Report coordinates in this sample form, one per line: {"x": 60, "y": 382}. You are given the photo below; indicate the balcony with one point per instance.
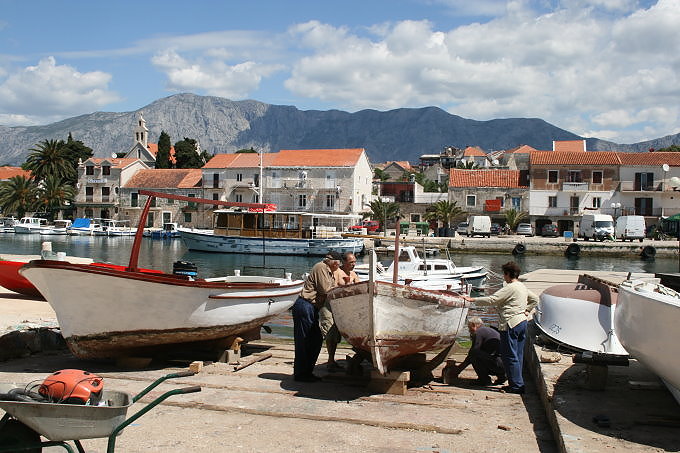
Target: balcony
{"x": 297, "y": 184}
{"x": 632, "y": 186}
{"x": 574, "y": 187}
{"x": 245, "y": 184}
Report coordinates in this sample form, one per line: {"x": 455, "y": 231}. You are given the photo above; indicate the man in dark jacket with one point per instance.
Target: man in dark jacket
{"x": 484, "y": 355}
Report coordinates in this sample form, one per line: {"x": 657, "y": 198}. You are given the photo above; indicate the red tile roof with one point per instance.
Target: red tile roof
{"x": 570, "y": 146}
{"x": 153, "y": 149}
{"x": 166, "y": 178}
{"x": 522, "y": 149}
{"x": 574, "y": 158}
{"x": 317, "y": 157}
{"x": 9, "y": 172}
{"x": 485, "y": 178}
{"x": 239, "y": 160}
{"x": 474, "y": 151}
{"x": 115, "y": 162}
{"x": 650, "y": 159}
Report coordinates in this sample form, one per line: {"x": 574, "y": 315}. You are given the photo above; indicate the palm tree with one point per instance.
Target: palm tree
{"x": 53, "y": 193}
{"x": 381, "y": 211}
{"x": 513, "y": 217}
{"x": 444, "y": 211}
{"x": 17, "y": 195}
{"x": 380, "y": 174}
{"x": 50, "y": 157}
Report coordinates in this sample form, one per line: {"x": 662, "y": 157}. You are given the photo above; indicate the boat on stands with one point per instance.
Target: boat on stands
{"x": 580, "y": 316}
{"x": 412, "y": 267}
{"x": 59, "y": 228}
{"x": 267, "y": 231}
{"x": 13, "y": 281}
{"x": 30, "y": 225}
{"x": 646, "y": 322}
{"x": 104, "y": 312}
{"x": 83, "y": 226}
{"x": 391, "y": 320}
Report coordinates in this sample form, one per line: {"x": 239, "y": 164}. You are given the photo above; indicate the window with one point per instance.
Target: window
{"x": 89, "y": 192}
{"x": 154, "y": 200}
{"x": 106, "y": 191}
{"x": 167, "y": 217}
{"x": 89, "y": 213}
{"x": 644, "y": 181}
{"x": 552, "y": 202}
{"x": 597, "y": 177}
{"x": 149, "y": 220}
{"x": 238, "y": 198}
{"x": 256, "y": 180}
{"x": 216, "y": 180}
{"x": 134, "y": 199}
{"x": 330, "y": 201}
{"x": 239, "y": 177}
{"x": 597, "y": 202}
{"x": 106, "y": 170}
{"x": 574, "y": 176}
{"x": 517, "y": 203}
{"x": 574, "y": 204}
{"x": 644, "y": 206}
{"x": 190, "y": 204}
{"x": 471, "y": 200}
{"x": 215, "y": 197}
{"x": 302, "y": 200}
{"x": 415, "y": 217}
{"x": 187, "y": 217}
{"x": 89, "y": 170}
{"x": 553, "y": 176}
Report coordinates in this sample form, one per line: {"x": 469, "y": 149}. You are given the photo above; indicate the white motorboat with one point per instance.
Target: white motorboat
{"x": 7, "y": 224}
{"x": 113, "y": 312}
{"x": 274, "y": 233}
{"x": 580, "y": 316}
{"x": 30, "y": 225}
{"x": 391, "y": 320}
{"x": 646, "y": 322}
{"x": 83, "y": 226}
{"x": 170, "y": 230}
{"x": 120, "y": 228}
{"x": 412, "y": 267}
{"x": 60, "y": 228}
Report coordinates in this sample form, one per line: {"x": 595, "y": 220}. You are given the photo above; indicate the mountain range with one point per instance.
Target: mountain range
{"x": 221, "y": 125}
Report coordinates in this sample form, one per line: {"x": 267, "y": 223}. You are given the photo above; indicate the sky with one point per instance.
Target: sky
{"x": 599, "y": 68}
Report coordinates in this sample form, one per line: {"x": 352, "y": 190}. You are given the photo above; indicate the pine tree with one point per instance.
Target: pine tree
{"x": 163, "y": 155}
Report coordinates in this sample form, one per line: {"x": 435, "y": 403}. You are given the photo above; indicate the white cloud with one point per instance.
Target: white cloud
{"x": 583, "y": 64}
{"x": 48, "y": 91}
{"x": 211, "y": 74}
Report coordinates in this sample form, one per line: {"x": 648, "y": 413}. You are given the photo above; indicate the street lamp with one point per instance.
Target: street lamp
{"x": 616, "y": 206}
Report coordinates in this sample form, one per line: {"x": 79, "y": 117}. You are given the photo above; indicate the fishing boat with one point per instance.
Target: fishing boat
{"x": 412, "y": 267}
{"x": 30, "y": 225}
{"x": 580, "y": 316}
{"x": 646, "y": 322}
{"x": 391, "y": 320}
{"x": 59, "y": 228}
{"x": 104, "y": 312}
{"x": 274, "y": 233}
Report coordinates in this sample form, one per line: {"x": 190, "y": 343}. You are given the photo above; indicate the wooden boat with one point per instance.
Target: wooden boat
{"x": 646, "y": 322}
{"x": 105, "y": 312}
{"x": 274, "y": 233}
{"x": 390, "y": 320}
{"x": 580, "y": 316}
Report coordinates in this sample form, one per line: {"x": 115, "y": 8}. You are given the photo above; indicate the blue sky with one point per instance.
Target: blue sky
{"x": 601, "y": 68}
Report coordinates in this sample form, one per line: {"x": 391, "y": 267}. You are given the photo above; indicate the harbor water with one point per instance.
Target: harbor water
{"x": 161, "y": 254}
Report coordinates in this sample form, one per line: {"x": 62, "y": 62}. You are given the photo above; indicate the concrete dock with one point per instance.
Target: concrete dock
{"x": 260, "y": 408}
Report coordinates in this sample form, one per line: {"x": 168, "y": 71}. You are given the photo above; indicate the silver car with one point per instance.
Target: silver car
{"x": 526, "y": 229}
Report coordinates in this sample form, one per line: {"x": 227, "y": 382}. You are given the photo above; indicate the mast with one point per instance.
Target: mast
{"x": 261, "y": 200}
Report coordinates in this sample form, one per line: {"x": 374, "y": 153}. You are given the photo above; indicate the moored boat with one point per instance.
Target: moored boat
{"x": 580, "y": 316}
{"x": 82, "y": 227}
{"x": 274, "y": 233}
{"x": 30, "y": 225}
{"x": 60, "y": 228}
{"x": 646, "y": 321}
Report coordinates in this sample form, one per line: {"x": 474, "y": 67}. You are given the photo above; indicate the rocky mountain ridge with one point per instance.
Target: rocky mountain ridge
{"x": 221, "y": 125}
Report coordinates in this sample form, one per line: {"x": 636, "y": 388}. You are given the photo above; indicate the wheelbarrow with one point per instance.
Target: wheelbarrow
{"x": 24, "y": 422}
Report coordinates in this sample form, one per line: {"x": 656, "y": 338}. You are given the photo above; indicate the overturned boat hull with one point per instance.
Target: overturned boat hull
{"x": 391, "y": 320}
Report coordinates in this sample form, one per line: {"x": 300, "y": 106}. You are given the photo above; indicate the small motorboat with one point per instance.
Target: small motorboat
{"x": 646, "y": 321}
{"x": 60, "y": 228}
{"x": 82, "y": 226}
{"x": 7, "y": 224}
{"x": 580, "y": 316}
{"x": 30, "y": 225}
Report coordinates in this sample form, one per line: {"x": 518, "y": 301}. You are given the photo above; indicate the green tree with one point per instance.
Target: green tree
{"x": 251, "y": 150}
{"x": 513, "y": 217}
{"x": 53, "y": 194}
{"x": 381, "y": 211}
{"x": 50, "y": 157}
{"x": 186, "y": 155}
{"x": 670, "y": 149}
{"x": 380, "y": 174}
{"x": 17, "y": 195}
{"x": 444, "y": 211}
{"x": 163, "y": 155}
{"x": 76, "y": 151}
{"x": 467, "y": 165}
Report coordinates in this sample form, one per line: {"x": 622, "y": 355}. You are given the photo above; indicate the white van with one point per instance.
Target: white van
{"x": 630, "y": 227}
{"x": 596, "y": 226}
{"x": 479, "y": 225}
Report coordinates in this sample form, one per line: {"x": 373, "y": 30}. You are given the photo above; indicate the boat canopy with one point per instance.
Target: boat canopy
{"x": 81, "y": 222}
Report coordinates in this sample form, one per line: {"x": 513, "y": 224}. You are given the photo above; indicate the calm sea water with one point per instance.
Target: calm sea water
{"x": 160, "y": 254}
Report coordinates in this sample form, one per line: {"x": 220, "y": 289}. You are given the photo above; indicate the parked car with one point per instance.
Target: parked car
{"x": 526, "y": 229}
{"x": 495, "y": 228}
{"x": 550, "y": 230}
{"x": 370, "y": 225}
{"x": 462, "y": 228}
